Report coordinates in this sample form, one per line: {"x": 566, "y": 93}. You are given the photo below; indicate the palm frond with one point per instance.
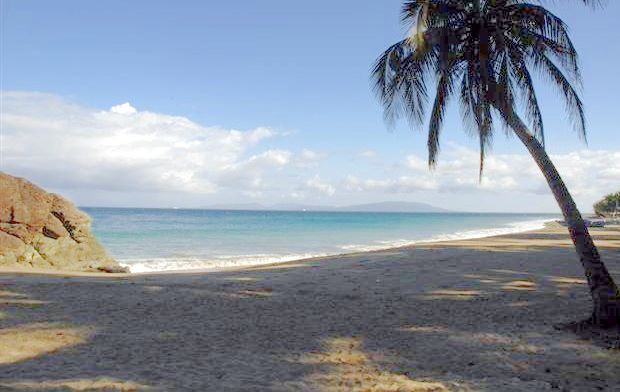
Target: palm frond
{"x": 574, "y": 105}
{"x": 525, "y": 84}
{"x": 400, "y": 77}
{"x": 485, "y": 51}
{"x": 445, "y": 84}
{"x": 540, "y": 30}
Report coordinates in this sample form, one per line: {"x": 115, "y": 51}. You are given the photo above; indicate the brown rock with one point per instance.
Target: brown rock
{"x": 114, "y": 269}
{"x": 43, "y": 230}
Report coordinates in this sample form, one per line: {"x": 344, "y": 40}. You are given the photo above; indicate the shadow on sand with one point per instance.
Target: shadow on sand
{"x": 363, "y": 322}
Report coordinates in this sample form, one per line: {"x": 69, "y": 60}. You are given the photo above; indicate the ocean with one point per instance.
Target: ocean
{"x": 184, "y": 239}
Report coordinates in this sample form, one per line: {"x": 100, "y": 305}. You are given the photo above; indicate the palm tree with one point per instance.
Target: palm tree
{"x": 483, "y": 52}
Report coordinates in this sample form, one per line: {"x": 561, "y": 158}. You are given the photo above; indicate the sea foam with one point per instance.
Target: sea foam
{"x": 160, "y": 264}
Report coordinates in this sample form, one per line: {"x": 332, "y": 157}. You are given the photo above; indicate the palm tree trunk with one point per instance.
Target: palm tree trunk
{"x": 605, "y": 294}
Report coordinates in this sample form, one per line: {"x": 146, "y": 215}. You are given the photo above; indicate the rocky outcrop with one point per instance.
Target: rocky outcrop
{"x": 43, "y": 230}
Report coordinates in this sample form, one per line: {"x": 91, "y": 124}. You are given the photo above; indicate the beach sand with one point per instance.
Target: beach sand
{"x": 473, "y": 315}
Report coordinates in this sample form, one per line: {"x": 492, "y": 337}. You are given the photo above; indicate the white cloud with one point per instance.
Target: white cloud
{"x": 309, "y": 158}
{"x": 315, "y": 183}
{"x": 297, "y": 195}
{"x": 416, "y": 163}
{"x": 67, "y": 146}
{"x": 402, "y": 184}
{"x": 588, "y": 175}
{"x": 250, "y": 173}
{"x": 271, "y": 157}
{"x": 124, "y": 108}
{"x": 114, "y": 156}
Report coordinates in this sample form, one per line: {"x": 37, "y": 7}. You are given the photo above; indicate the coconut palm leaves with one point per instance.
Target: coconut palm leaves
{"x": 482, "y": 53}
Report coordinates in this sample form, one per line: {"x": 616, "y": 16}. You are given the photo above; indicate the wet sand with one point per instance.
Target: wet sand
{"x": 472, "y": 315}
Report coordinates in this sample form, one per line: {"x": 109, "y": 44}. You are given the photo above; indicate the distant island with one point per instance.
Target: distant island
{"x": 388, "y": 206}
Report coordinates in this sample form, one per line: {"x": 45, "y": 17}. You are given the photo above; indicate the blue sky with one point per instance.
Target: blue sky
{"x": 299, "y": 69}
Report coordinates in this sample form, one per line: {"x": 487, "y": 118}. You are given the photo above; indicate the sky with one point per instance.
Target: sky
{"x": 198, "y": 103}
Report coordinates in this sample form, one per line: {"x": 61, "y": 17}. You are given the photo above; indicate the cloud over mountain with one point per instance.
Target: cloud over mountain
{"x": 122, "y": 149}
{"x": 127, "y": 156}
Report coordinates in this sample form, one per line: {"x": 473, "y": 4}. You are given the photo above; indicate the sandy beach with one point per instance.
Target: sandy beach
{"x": 472, "y": 315}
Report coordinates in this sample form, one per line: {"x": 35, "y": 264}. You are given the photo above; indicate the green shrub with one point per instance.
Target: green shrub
{"x": 608, "y": 205}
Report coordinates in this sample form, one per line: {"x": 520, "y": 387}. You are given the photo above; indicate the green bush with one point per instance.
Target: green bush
{"x": 608, "y": 205}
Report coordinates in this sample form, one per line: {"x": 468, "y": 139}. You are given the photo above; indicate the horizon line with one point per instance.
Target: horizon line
{"x": 319, "y": 210}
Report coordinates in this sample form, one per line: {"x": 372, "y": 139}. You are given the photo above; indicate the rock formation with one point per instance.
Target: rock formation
{"x": 43, "y": 230}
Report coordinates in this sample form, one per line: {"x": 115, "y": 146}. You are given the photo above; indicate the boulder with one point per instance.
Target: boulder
{"x": 43, "y": 230}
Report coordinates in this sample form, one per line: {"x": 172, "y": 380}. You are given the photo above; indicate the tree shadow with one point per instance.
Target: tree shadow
{"x": 26, "y": 337}
{"x": 382, "y": 321}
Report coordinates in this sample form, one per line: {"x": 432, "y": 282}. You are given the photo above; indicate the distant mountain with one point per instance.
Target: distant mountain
{"x": 387, "y": 206}
{"x": 393, "y": 206}
{"x": 240, "y": 206}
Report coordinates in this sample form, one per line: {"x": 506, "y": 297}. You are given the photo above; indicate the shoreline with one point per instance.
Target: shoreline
{"x": 470, "y": 315}
{"x": 149, "y": 243}
{"x": 410, "y": 244}
{"x": 361, "y": 249}
{"x": 549, "y": 226}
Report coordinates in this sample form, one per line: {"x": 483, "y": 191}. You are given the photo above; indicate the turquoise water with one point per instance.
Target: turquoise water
{"x": 178, "y": 239}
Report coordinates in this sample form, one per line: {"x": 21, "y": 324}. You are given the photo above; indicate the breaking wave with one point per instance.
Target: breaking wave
{"x": 144, "y": 265}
